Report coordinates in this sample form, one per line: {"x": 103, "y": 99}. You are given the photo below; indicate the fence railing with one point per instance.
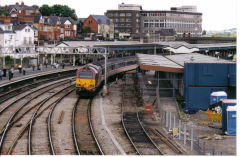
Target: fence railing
{"x": 182, "y": 132}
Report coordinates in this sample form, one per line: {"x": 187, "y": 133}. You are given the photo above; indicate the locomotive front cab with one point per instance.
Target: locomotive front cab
{"x": 85, "y": 80}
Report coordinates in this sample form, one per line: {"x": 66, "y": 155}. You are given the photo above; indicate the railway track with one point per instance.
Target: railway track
{"x": 4, "y": 96}
{"x": 85, "y": 140}
{"x": 8, "y": 109}
{"x": 16, "y": 117}
{"x": 139, "y": 138}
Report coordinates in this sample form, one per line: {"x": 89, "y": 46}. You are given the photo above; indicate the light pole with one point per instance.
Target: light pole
{"x": 105, "y": 74}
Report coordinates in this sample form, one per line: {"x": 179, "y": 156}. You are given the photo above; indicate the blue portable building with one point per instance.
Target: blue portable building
{"x": 201, "y": 79}
{"x": 231, "y": 120}
{"x": 226, "y": 103}
{"x": 217, "y": 96}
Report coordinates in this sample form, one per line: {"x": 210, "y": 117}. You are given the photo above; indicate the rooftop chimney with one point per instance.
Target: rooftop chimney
{"x": 17, "y": 3}
{"x": 22, "y": 4}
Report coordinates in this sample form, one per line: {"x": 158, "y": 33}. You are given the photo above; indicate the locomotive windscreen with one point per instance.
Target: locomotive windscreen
{"x": 85, "y": 74}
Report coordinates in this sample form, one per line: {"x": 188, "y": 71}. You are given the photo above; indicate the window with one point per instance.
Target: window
{"x": 156, "y": 24}
{"x": 90, "y": 21}
{"x": 145, "y": 24}
{"x": 28, "y": 29}
{"x": 67, "y": 33}
{"x": 137, "y": 14}
{"x": 122, "y": 20}
{"x": 25, "y": 40}
{"x": 68, "y": 26}
{"x": 122, "y": 14}
{"x": 137, "y": 31}
{"x": 129, "y": 20}
{"x": 85, "y": 74}
{"x": 137, "y": 20}
{"x": 25, "y": 30}
{"x": 30, "y": 40}
{"x": 128, "y": 14}
{"x": 116, "y": 14}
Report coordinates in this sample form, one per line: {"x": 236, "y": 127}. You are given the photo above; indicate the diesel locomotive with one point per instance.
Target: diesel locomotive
{"x": 91, "y": 76}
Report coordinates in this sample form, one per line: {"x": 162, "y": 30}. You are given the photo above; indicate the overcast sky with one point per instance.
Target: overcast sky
{"x": 217, "y": 14}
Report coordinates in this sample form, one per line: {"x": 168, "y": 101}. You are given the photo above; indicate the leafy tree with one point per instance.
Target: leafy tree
{"x": 87, "y": 29}
{"x": 4, "y": 12}
{"x": 204, "y": 32}
{"x": 45, "y": 10}
{"x": 58, "y": 10}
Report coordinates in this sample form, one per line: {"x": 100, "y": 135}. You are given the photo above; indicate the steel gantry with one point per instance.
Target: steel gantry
{"x": 36, "y": 51}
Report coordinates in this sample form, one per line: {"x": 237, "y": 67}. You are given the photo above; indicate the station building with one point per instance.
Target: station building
{"x": 132, "y": 20}
{"x": 194, "y": 76}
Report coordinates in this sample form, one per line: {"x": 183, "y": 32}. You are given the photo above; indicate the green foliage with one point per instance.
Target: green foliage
{"x": 221, "y": 35}
{"x": 58, "y": 10}
{"x": 45, "y": 10}
{"x": 204, "y": 32}
{"x": 87, "y": 30}
{"x": 3, "y": 12}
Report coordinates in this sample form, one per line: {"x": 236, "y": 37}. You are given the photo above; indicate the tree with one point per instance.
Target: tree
{"x": 87, "y": 29}
{"x": 45, "y": 10}
{"x": 204, "y": 32}
{"x": 58, "y": 10}
{"x": 3, "y": 12}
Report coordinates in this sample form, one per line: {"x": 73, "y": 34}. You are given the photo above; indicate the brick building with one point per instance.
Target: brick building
{"x": 101, "y": 25}
{"x": 21, "y": 10}
{"x": 126, "y": 20}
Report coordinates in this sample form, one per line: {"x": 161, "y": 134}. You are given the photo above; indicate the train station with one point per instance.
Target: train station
{"x": 183, "y": 93}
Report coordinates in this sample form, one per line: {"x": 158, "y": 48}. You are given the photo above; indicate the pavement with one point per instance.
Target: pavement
{"x": 29, "y": 72}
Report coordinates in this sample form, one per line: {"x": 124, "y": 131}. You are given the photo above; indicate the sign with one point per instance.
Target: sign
{"x": 175, "y": 132}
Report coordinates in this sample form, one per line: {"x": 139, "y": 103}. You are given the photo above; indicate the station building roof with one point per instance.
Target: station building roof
{"x": 175, "y": 63}
{"x": 174, "y": 46}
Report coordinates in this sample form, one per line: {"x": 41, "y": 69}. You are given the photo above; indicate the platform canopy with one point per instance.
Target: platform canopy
{"x": 158, "y": 63}
{"x": 175, "y": 63}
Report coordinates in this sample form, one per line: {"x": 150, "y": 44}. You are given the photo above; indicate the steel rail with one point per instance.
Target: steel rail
{"x": 49, "y": 124}
{"x": 149, "y": 136}
{"x": 35, "y": 113}
{"x": 91, "y": 126}
{"x": 73, "y": 127}
{"x": 31, "y": 93}
{"x": 29, "y": 101}
{"x": 13, "y": 115}
{"x": 22, "y": 88}
{"x": 124, "y": 127}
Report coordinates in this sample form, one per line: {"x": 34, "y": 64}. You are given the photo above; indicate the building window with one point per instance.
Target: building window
{"x": 146, "y": 25}
{"x": 25, "y": 40}
{"x": 137, "y": 20}
{"x": 30, "y": 40}
{"x": 128, "y": 14}
{"x": 28, "y": 29}
{"x": 137, "y": 31}
{"x": 129, "y": 20}
{"x": 122, "y": 14}
{"x": 68, "y": 26}
{"x": 116, "y": 14}
{"x": 90, "y": 21}
{"x": 137, "y": 14}
{"x": 25, "y": 30}
{"x": 67, "y": 33}
{"x": 116, "y": 31}
{"x": 122, "y": 20}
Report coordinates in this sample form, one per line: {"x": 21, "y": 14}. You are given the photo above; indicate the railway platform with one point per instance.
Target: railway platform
{"x": 30, "y": 74}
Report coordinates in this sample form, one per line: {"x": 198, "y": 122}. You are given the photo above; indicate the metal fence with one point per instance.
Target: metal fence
{"x": 183, "y": 133}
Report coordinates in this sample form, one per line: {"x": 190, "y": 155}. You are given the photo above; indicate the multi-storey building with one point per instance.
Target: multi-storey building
{"x": 21, "y": 10}
{"x": 55, "y": 28}
{"x": 126, "y": 19}
{"x": 185, "y": 20}
{"x": 185, "y": 23}
{"x": 16, "y": 35}
{"x": 101, "y": 25}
